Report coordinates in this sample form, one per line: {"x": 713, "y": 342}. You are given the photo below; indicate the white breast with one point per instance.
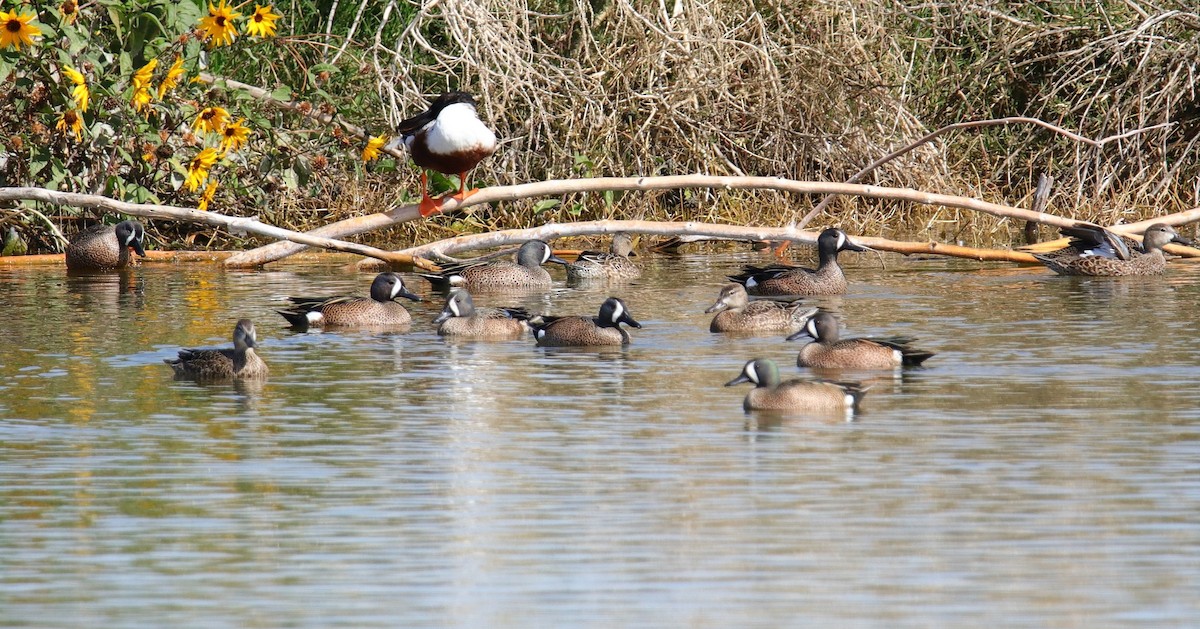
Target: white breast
{"x": 457, "y": 129}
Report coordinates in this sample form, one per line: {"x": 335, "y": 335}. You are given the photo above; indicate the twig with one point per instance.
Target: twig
{"x": 969, "y": 125}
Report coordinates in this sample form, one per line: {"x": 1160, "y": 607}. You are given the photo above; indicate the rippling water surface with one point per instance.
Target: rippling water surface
{"x": 1043, "y": 471}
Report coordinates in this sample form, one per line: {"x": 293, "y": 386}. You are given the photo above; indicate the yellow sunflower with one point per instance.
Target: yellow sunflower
{"x": 371, "y": 151}
{"x": 197, "y": 170}
{"x": 218, "y": 26}
{"x": 70, "y": 120}
{"x": 262, "y": 23}
{"x": 172, "y": 79}
{"x": 211, "y": 119}
{"x": 234, "y": 136}
{"x": 141, "y": 98}
{"x": 80, "y": 92}
{"x": 15, "y": 29}
{"x": 69, "y": 10}
{"x": 207, "y": 197}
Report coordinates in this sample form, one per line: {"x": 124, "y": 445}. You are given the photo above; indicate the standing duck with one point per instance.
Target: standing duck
{"x": 1099, "y": 252}
{"x": 239, "y": 363}
{"x": 587, "y": 331}
{"x": 449, "y": 138}
{"x": 105, "y": 246}
{"x": 380, "y": 309}
{"x": 829, "y": 351}
{"x": 784, "y": 279}
{"x": 769, "y": 394}
{"x": 527, "y": 272}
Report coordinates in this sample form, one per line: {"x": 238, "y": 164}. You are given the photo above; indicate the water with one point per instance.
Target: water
{"x": 1043, "y": 471}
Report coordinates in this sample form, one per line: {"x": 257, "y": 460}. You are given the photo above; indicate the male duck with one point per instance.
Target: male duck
{"x": 239, "y": 363}
{"x": 105, "y": 246}
{"x": 613, "y": 265}
{"x": 586, "y": 331}
{"x": 827, "y": 351}
{"x": 449, "y": 138}
{"x": 500, "y": 274}
{"x": 736, "y": 313}
{"x": 769, "y": 394}
{"x": 460, "y": 318}
{"x": 783, "y": 279}
{"x": 380, "y": 309}
{"x": 1099, "y": 252}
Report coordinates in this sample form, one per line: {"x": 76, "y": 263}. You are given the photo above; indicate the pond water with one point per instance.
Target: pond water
{"x": 1044, "y": 470}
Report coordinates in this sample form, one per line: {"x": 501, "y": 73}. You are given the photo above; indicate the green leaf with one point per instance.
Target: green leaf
{"x": 6, "y": 68}
{"x": 546, "y": 204}
{"x": 303, "y": 170}
{"x": 283, "y": 93}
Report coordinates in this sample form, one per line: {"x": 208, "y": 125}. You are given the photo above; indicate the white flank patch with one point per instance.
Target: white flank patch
{"x": 899, "y": 356}
{"x": 314, "y": 316}
{"x": 540, "y": 333}
{"x": 750, "y": 282}
{"x": 752, "y": 372}
{"x": 849, "y": 402}
{"x": 457, "y": 280}
{"x": 458, "y": 129}
{"x": 617, "y": 312}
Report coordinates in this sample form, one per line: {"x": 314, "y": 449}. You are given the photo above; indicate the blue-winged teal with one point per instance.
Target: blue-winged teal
{"x": 586, "y": 331}
{"x": 380, "y": 309}
{"x": 500, "y": 274}
{"x": 614, "y": 265}
{"x": 223, "y": 364}
{"x": 1097, "y": 251}
{"x": 827, "y": 351}
{"x": 736, "y": 313}
{"x": 769, "y": 394}
{"x": 784, "y": 279}
{"x": 105, "y": 246}
{"x": 461, "y": 318}
{"x": 449, "y": 138}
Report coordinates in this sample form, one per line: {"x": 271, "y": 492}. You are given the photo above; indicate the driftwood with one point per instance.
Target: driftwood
{"x": 729, "y": 232}
{"x": 556, "y": 187}
{"x": 251, "y": 225}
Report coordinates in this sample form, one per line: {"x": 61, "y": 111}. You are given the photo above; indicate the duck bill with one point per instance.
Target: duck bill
{"x": 557, "y": 260}
{"x": 717, "y": 307}
{"x": 629, "y": 321}
{"x": 853, "y": 246}
{"x": 800, "y": 335}
{"x": 444, "y": 316}
{"x": 407, "y": 295}
{"x": 137, "y": 248}
{"x": 1181, "y": 240}
{"x": 738, "y": 380}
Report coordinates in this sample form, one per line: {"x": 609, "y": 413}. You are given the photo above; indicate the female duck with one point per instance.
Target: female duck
{"x": 240, "y": 363}
{"x": 1099, "y": 252}
{"x": 736, "y": 313}
{"x": 615, "y": 265}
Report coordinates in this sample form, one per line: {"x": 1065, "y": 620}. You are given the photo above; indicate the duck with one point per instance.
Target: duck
{"x": 103, "y": 247}
{"x": 736, "y": 313}
{"x": 460, "y": 318}
{"x": 586, "y": 331}
{"x": 612, "y": 265}
{"x": 380, "y": 309}
{"x": 527, "y": 272}
{"x": 449, "y": 138}
{"x": 1096, "y": 251}
{"x": 769, "y": 394}
{"x": 828, "y": 351}
{"x": 239, "y": 363}
{"x": 785, "y": 279}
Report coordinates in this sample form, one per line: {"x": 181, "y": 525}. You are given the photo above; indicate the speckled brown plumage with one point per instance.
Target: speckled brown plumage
{"x": 223, "y": 364}
{"x": 1095, "y": 251}
{"x": 828, "y": 351}
{"x": 615, "y": 264}
{"x": 103, "y": 247}
{"x": 380, "y": 310}
{"x": 460, "y": 318}
{"x": 737, "y": 313}
{"x": 783, "y": 279}
{"x": 587, "y": 331}
{"x": 814, "y": 396}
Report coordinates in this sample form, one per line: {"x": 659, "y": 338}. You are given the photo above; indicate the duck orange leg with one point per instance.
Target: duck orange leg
{"x": 428, "y": 205}
{"x": 462, "y": 193}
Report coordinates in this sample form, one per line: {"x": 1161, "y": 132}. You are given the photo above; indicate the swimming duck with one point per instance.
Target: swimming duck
{"x": 613, "y": 265}
{"x": 586, "y": 331}
{"x": 769, "y": 394}
{"x": 828, "y": 351}
{"x": 380, "y": 309}
{"x": 785, "y": 279}
{"x": 105, "y": 246}
{"x": 223, "y": 364}
{"x": 449, "y": 138}
{"x": 499, "y": 274}
{"x": 736, "y": 313}
{"x": 1099, "y": 252}
{"x": 460, "y": 318}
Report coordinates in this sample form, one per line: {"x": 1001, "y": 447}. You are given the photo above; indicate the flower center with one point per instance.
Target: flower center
{"x": 13, "y": 26}
{"x": 70, "y": 117}
{"x": 220, "y": 21}
{"x": 207, "y": 115}
{"x": 258, "y": 17}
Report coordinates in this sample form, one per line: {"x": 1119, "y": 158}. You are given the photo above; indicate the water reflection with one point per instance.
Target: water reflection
{"x": 1041, "y": 471}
